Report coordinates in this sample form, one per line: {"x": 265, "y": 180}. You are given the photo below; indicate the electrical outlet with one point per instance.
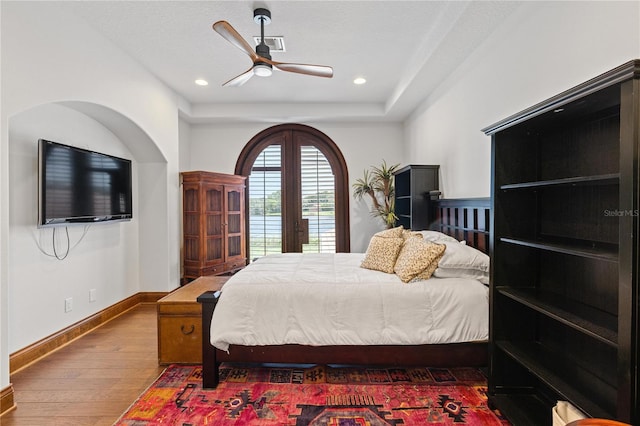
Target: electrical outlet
{"x": 92, "y": 295}
{"x": 68, "y": 304}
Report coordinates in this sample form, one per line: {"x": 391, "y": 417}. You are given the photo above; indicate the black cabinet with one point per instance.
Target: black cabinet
{"x": 413, "y": 183}
{"x": 564, "y": 300}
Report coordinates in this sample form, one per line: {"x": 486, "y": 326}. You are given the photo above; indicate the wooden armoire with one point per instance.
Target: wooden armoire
{"x": 213, "y": 224}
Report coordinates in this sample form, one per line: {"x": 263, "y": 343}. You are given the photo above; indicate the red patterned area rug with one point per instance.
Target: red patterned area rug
{"x": 318, "y": 395}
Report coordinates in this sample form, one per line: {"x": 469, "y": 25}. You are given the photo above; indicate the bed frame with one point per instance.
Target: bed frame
{"x": 464, "y": 219}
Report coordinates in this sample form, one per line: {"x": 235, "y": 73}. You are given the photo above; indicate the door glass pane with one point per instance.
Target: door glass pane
{"x": 214, "y": 200}
{"x": 233, "y": 223}
{"x": 214, "y": 225}
{"x": 265, "y": 203}
{"x": 233, "y": 201}
{"x": 318, "y": 200}
{"x": 234, "y": 246}
{"x": 214, "y": 249}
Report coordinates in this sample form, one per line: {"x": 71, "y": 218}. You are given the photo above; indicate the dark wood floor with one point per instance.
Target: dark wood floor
{"x": 94, "y": 379}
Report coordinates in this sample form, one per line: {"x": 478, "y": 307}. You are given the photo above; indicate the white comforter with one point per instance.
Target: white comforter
{"x": 327, "y": 299}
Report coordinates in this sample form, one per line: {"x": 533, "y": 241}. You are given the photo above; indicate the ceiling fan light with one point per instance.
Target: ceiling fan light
{"x": 262, "y": 70}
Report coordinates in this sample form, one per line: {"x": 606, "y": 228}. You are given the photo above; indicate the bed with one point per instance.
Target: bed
{"x": 382, "y": 341}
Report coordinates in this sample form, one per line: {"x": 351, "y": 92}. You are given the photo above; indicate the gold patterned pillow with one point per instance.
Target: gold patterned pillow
{"x": 382, "y": 253}
{"x": 408, "y": 233}
{"x": 428, "y": 272}
{"x": 391, "y": 233}
{"x": 417, "y": 257}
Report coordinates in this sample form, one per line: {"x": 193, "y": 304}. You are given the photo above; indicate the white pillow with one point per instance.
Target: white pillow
{"x": 462, "y": 256}
{"x": 481, "y": 276}
{"x": 435, "y": 236}
{"x": 463, "y": 261}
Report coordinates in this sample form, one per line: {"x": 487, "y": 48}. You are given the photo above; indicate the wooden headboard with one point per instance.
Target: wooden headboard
{"x": 464, "y": 219}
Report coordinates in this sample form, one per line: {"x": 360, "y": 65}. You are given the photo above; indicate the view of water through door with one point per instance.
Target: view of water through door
{"x": 265, "y": 203}
{"x": 297, "y": 195}
{"x": 317, "y": 185}
{"x": 314, "y": 193}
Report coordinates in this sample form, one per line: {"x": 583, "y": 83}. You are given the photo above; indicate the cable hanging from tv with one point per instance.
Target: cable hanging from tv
{"x": 68, "y": 248}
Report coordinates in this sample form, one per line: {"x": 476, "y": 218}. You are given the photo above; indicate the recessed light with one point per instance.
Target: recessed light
{"x": 359, "y": 80}
{"x": 201, "y": 82}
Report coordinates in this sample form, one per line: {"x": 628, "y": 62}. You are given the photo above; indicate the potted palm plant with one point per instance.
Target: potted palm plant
{"x": 378, "y": 184}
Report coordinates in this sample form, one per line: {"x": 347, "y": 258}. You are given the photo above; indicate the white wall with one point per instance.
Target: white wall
{"x": 184, "y": 135}
{"x": 215, "y": 147}
{"x": 106, "y": 259}
{"x": 541, "y": 50}
{"x": 50, "y": 57}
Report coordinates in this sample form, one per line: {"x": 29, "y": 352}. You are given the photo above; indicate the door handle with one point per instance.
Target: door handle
{"x": 302, "y": 229}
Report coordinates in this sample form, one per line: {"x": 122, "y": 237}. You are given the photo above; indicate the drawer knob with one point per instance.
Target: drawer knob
{"x": 185, "y": 332}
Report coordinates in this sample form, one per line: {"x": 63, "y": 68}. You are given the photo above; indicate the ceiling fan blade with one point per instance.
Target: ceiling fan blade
{"x": 231, "y": 35}
{"x": 315, "y": 70}
{"x": 241, "y": 79}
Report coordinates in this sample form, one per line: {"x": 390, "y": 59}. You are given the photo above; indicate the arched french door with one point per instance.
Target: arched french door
{"x": 297, "y": 192}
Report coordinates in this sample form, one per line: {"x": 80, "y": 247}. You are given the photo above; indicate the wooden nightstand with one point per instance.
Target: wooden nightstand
{"x": 180, "y": 322}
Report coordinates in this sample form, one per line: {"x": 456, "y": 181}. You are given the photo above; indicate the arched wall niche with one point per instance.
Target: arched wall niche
{"x": 135, "y": 138}
{"x": 113, "y": 258}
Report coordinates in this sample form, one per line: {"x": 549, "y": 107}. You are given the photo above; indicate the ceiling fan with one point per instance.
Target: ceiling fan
{"x": 262, "y": 64}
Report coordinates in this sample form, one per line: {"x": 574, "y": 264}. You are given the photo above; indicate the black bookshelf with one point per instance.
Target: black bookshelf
{"x": 413, "y": 185}
{"x": 564, "y": 293}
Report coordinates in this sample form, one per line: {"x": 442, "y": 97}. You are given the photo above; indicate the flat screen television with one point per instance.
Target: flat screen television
{"x": 78, "y": 186}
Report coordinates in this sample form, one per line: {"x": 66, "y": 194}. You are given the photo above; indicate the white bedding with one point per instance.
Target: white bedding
{"x": 327, "y": 299}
